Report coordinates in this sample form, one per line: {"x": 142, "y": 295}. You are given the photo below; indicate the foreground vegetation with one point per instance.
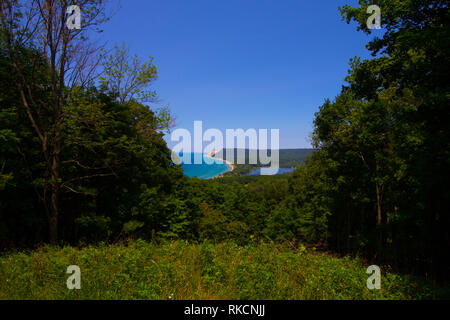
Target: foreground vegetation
{"x": 179, "y": 270}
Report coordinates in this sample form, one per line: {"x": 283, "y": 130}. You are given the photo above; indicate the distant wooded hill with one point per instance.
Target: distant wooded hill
{"x": 288, "y": 158}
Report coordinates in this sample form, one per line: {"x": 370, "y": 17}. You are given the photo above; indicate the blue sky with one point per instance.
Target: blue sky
{"x": 242, "y": 63}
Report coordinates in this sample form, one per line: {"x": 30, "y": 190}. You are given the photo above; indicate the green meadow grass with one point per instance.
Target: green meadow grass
{"x": 180, "y": 270}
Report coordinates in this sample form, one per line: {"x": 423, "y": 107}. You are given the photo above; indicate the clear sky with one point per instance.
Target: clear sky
{"x": 242, "y": 63}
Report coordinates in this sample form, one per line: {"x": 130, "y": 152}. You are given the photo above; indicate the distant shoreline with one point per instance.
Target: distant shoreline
{"x": 228, "y": 163}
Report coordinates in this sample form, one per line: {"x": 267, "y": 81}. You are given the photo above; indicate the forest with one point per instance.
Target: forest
{"x": 83, "y": 160}
{"x": 287, "y": 158}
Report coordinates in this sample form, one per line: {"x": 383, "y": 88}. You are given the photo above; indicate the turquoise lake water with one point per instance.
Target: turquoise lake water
{"x": 204, "y": 170}
{"x": 207, "y": 171}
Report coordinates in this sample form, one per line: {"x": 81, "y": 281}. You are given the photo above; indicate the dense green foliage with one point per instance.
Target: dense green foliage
{"x": 386, "y": 142}
{"x": 178, "y": 270}
{"x": 112, "y": 154}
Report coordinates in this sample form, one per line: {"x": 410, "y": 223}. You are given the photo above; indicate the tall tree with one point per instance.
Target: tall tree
{"x": 414, "y": 54}
{"x": 66, "y": 54}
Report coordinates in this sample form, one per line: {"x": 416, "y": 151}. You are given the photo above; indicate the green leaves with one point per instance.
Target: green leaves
{"x": 132, "y": 226}
{"x": 127, "y": 77}
{"x": 384, "y": 140}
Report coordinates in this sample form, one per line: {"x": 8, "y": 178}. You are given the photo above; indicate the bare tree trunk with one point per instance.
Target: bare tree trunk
{"x": 53, "y": 222}
{"x": 67, "y": 54}
{"x": 379, "y": 227}
{"x": 379, "y": 216}
{"x": 54, "y": 209}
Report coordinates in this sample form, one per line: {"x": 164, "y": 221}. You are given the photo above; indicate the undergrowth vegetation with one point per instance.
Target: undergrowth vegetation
{"x": 182, "y": 270}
